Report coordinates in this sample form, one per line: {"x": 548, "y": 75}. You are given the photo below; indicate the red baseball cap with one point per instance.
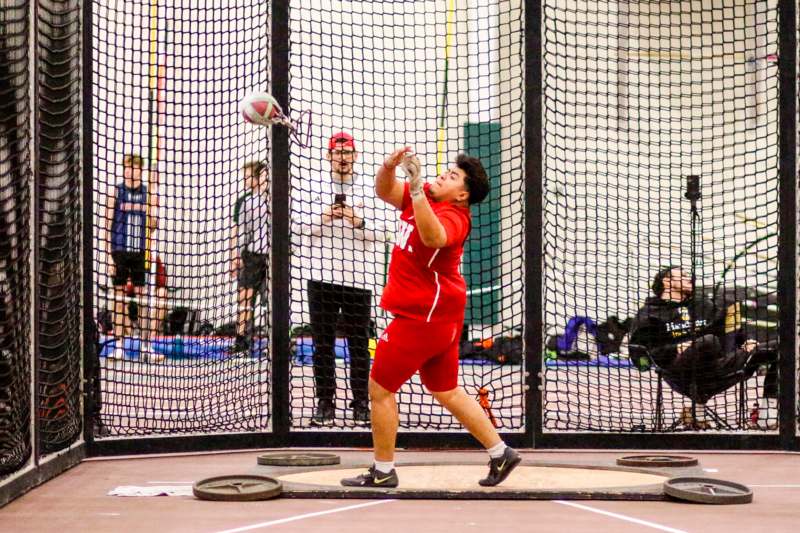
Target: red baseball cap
{"x": 341, "y": 139}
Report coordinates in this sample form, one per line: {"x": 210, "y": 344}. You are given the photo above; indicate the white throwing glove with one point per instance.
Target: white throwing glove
{"x": 412, "y": 168}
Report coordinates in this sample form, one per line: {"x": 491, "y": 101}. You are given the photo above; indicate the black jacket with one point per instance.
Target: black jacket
{"x": 663, "y": 324}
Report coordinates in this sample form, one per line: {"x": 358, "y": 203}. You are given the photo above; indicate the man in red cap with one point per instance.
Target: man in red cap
{"x": 340, "y": 226}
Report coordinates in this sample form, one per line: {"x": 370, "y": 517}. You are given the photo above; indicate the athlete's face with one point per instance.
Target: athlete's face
{"x": 449, "y": 186}
{"x": 133, "y": 174}
{"x": 342, "y": 159}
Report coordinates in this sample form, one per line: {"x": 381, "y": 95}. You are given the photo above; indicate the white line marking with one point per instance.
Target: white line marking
{"x": 436, "y": 298}
{"x": 167, "y": 482}
{"x": 304, "y": 516}
{"x": 711, "y": 470}
{"x": 434, "y": 257}
{"x": 775, "y": 486}
{"x": 620, "y": 517}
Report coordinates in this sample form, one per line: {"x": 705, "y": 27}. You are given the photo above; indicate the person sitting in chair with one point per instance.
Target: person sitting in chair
{"x": 685, "y": 337}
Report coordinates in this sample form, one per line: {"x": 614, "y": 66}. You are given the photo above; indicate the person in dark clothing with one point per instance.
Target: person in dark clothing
{"x": 686, "y": 338}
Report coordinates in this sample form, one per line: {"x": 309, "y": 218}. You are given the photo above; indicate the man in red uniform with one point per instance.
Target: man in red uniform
{"x": 427, "y": 295}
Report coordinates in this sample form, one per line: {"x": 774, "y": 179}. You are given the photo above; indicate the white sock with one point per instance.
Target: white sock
{"x": 496, "y": 451}
{"x": 384, "y": 467}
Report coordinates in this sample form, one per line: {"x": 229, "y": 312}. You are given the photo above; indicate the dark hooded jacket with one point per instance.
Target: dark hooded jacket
{"x": 705, "y": 368}
{"x": 663, "y": 324}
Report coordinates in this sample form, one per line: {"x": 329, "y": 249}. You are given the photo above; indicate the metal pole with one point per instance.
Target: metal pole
{"x": 533, "y": 221}
{"x": 280, "y": 227}
{"x": 787, "y": 243}
{"x": 91, "y": 372}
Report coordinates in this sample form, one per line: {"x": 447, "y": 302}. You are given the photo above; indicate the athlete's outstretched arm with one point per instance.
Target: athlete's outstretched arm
{"x": 387, "y": 186}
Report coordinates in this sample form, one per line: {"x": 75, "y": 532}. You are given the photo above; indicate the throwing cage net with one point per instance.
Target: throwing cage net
{"x": 58, "y": 232}
{"x": 176, "y": 354}
{"x": 40, "y": 350}
{"x": 15, "y": 287}
{"x": 638, "y": 96}
{"x": 181, "y": 217}
{"x": 443, "y": 80}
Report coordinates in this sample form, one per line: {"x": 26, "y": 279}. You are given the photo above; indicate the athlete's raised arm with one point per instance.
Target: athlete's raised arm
{"x": 387, "y": 186}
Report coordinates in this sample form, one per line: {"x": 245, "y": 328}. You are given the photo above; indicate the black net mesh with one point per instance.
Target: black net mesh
{"x": 15, "y": 175}
{"x": 442, "y": 79}
{"x": 185, "y": 345}
{"x": 59, "y": 234}
{"x": 638, "y": 96}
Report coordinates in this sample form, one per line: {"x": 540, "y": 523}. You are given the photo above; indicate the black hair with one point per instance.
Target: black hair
{"x": 657, "y": 286}
{"x": 476, "y": 180}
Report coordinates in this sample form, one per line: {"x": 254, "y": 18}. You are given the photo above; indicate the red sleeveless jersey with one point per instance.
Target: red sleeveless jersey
{"x": 426, "y": 283}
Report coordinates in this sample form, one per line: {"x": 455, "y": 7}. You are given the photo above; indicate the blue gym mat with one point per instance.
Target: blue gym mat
{"x": 603, "y": 361}
{"x": 216, "y": 348}
{"x": 181, "y": 347}
{"x": 304, "y": 350}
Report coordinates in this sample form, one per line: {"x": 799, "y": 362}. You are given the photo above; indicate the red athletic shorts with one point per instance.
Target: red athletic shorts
{"x": 408, "y": 345}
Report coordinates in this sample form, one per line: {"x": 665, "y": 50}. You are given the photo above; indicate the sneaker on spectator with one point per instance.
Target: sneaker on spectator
{"x": 241, "y": 345}
{"x": 361, "y": 412}
{"x": 148, "y": 355}
{"x": 119, "y": 350}
{"x": 323, "y": 414}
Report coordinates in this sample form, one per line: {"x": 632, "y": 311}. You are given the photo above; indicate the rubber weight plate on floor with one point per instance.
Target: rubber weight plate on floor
{"x": 298, "y": 459}
{"x": 237, "y": 488}
{"x": 708, "y": 490}
{"x": 657, "y": 461}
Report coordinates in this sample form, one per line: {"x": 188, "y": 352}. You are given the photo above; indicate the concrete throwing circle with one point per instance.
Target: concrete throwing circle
{"x": 464, "y": 477}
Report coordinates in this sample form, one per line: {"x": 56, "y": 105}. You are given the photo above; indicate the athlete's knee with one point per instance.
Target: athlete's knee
{"x": 377, "y": 393}
{"x": 447, "y": 396}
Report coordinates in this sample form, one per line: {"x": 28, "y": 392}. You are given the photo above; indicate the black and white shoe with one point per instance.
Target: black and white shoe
{"x": 373, "y": 478}
{"x": 240, "y": 345}
{"x": 500, "y": 468}
{"x": 323, "y": 414}
{"x": 361, "y": 412}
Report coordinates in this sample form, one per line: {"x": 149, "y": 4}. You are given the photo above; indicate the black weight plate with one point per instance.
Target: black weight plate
{"x": 239, "y": 488}
{"x": 708, "y": 490}
{"x": 657, "y": 461}
{"x": 298, "y": 459}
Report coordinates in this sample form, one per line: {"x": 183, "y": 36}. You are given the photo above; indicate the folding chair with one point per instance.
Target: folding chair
{"x": 639, "y": 352}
